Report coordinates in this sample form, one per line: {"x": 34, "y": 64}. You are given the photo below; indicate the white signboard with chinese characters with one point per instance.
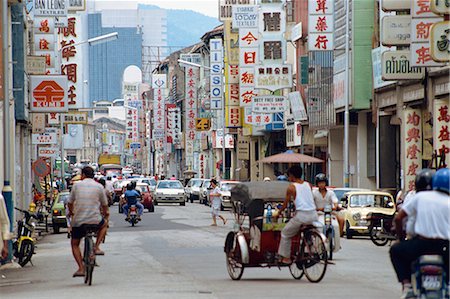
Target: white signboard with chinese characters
{"x": 441, "y": 126}
{"x": 44, "y": 138}
{"x": 173, "y": 126}
{"x": 272, "y": 28}
{"x": 273, "y": 77}
{"x": 50, "y": 8}
{"x": 269, "y": 104}
{"x": 412, "y": 118}
{"x": 440, "y": 41}
{"x": 48, "y": 93}
{"x": 216, "y": 60}
{"x": 44, "y": 30}
{"x": 421, "y": 55}
{"x": 192, "y": 75}
{"x": 297, "y": 106}
{"x": 249, "y": 56}
{"x": 421, "y": 9}
{"x": 395, "y": 65}
{"x": 159, "y": 98}
{"x": 245, "y": 16}
{"x": 421, "y": 29}
{"x": 396, "y": 30}
{"x": 320, "y": 38}
{"x": 256, "y": 119}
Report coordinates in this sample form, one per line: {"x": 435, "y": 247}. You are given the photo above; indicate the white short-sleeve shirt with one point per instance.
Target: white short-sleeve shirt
{"x": 330, "y": 198}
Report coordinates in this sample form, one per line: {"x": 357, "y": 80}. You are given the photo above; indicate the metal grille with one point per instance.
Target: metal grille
{"x": 320, "y": 90}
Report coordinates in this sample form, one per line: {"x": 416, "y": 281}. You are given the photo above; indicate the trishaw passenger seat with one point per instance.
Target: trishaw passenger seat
{"x": 256, "y": 209}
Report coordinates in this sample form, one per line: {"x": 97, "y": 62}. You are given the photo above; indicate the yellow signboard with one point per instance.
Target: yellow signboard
{"x": 202, "y": 124}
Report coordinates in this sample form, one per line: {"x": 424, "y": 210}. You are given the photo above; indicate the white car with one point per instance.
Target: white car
{"x": 225, "y": 192}
{"x": 193, "y": 189}
{"x": 204, "y": 191}
{"x": 169, "y": 191}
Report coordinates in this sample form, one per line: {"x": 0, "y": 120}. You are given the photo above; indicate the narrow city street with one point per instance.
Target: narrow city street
{"x": 175, "y": 253}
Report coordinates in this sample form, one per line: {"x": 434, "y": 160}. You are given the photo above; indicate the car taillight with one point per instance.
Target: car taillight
{"x": 56, "y": 212}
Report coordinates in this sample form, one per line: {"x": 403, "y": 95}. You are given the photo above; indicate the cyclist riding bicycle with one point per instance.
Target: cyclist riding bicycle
{"x": 86, "y": 199}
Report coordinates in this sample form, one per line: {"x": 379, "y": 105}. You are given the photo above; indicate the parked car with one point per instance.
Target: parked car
{"x": 59, "y": 211}
{"x": 357, "y": 205}
{"x": 193, "y": 189}
{"x": 225, "y": 192}
{"x": 169, "y": 191}
{"x": 146, "y": 196}
{"x": 204, "y": 191}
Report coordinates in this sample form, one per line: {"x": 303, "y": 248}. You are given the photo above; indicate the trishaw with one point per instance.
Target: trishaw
{"x": 256, "y": 236}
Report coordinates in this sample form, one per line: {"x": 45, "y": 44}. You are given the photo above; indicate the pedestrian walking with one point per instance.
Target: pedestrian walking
{"x": 216, "y": 203}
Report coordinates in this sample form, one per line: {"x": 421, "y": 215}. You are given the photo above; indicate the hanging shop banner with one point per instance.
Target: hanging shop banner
{"x": 396, "y": 66}
{"x": 48, "y": 152}
{"x": 273, "y": 77}
{"x": 173, "y": 126}
{"x": 319, "y": 36}
{"x": 441, "y": 126}
{"x": 44, "y": 138}
{"x": 421, "y": 55}
{"x": 272, "y": 29}
{"x": 440, "y": 41}
{"x": 243, "y": 148}
{"x": 48, "y": 94}
{"x": 269, "y": 104}
{"x": 216, "y": 60}
{"x": 421, "y": 29}
{"x": 50, "y": 8}
{"x": 245, "y": 16}
{"x": 192, "y": 75}
{"x": 226, "y": 8}
{"x": 421, "y": 9}
{"x": 256, "y": 119}
{"x": 396, "y": 30}
{"x": 75, "y": 117}
{"x": 412, "y": 118}
{"x": 36, "y": 65}
{"x": 297, "y": 106}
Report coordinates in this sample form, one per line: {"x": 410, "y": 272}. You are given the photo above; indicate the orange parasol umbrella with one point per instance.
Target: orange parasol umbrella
{"x": 290, "y": 157}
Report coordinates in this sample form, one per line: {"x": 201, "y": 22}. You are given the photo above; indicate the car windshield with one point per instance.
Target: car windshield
{"x": 170, "y": 185}
{"x": 196, "y": 183}
{"x": 142, "y": 188}
{"x": 63, "y": 198}
{"x": 152, "y": 182}
{"x": 371, "y": 200}
{"x": 227, "y": 186}
{"x": 206, "y": 184}
{"x": 340, "y": 192}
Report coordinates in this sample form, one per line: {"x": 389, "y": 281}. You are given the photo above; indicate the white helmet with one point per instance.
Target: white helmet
{"x": 266, "y": 179}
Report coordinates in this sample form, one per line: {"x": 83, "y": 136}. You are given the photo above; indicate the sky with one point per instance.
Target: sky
{"x": 207, "y": 7}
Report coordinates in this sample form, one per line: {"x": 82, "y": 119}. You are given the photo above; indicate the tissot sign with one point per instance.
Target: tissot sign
{"x": 49, "y": 94}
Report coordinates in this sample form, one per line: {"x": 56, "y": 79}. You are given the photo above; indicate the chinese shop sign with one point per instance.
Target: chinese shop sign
{"x": 412, "y": 120}
{"x": 441, "y": 126}
{"x": 273, "y": 77}
{"x": 320, "y": 37}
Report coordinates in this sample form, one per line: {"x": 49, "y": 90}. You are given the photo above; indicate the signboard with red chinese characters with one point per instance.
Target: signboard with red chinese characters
{"x": 53, "y": 118}
{"x": 159, "y": 82}
{"x": 192, "y": 75}
{"x": 269, "y": 104}
{"x": 320, "y": 37}
{"x": 233, "y": 112}
{"x": 256, "y": 119}
{"x": 44, "y": 138}
{"x": 249, "y": 58}
{"x": 440, "y": 41}
{"x": 441, "y": 126}
{"x": 218, "y": 140}
{"x": 273, "y": 77}
{"x": 72, "y": 60}
{"x": 132, "y": 105}
{"x": 422, "y": 20}
{"x": 48, "y": 94}
{"x": 216, "y": 84}
{"x": 412, "y": 120}
{"x": 44, "y": 35}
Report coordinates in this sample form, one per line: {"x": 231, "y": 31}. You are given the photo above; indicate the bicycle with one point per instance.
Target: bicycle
{"x": 89, "y": 253}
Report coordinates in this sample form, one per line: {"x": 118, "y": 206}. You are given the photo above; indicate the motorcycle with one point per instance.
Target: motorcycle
{"x": 381, "y": 228}
{"x": 133, "y": 217}
{"x": 24, "y": 244}
{"x": 429, "y": 279}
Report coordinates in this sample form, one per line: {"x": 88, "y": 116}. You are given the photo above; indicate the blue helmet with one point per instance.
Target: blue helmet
{"x": 441, "y": 180}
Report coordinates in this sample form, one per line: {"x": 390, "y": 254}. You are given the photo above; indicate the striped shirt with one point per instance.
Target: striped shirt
{"x": 87, "y": 196}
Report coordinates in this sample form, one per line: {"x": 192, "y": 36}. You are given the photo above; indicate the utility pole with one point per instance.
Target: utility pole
{"x": 347, "y": 96}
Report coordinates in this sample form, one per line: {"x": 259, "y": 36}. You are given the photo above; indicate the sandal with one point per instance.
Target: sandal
{"x": 99, "y": 252}
{"x": 284, "y": 262}
{"x": 78, "y": 274}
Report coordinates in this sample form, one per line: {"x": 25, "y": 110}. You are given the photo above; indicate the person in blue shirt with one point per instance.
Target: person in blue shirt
{"x": 132, "y": 196}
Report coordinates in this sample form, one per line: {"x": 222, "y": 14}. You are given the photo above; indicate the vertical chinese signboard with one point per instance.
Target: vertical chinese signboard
{"x": 413, "y": 146}
{"x": 159, "y": 83}
{"x": 191, "y": 81}
{"x": 441, "y": 126}
{"x": 71, "y": 59}
{"x": 422, "y": 20}
{"x": 173, "y": 123}
{"x": 44, "y": 41}
{"x": 321, "y": 25}
{"x": 130, "y": 95}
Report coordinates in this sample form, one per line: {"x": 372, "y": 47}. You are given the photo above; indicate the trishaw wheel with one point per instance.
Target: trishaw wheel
{"x": 315, "y": 257}
{"x": 233, "y": 257}
{"x": 296, "y": 271}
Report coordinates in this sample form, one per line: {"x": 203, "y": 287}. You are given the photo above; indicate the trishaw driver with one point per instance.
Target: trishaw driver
{"x": 305, "y": 211}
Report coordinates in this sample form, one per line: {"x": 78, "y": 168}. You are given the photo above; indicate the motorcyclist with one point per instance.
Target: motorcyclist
{"x": 323, "y": 196}
{"x": 132, "y": 197}
{"x": 431, "y": 226}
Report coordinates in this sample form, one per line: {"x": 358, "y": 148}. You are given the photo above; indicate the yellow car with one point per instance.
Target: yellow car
{"x": 358, "y": 204}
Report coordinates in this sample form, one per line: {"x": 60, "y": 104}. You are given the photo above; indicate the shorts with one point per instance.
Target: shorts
{"x": 215, "y": 211}
{"x": 79, "y": 232}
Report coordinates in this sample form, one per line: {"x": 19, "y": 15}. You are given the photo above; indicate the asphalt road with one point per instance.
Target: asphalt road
{"x": 175, "y": 253}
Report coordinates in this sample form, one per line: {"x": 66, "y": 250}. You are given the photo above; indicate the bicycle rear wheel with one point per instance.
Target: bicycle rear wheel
{"x": 88, "y": 259}
{"x": 315, "y": 256}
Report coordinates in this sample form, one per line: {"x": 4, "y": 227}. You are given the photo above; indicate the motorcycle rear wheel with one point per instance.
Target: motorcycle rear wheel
{"x": 373, "y": 232}
{"x": 26, "y": 252}
{"x": 330, "y": 244}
